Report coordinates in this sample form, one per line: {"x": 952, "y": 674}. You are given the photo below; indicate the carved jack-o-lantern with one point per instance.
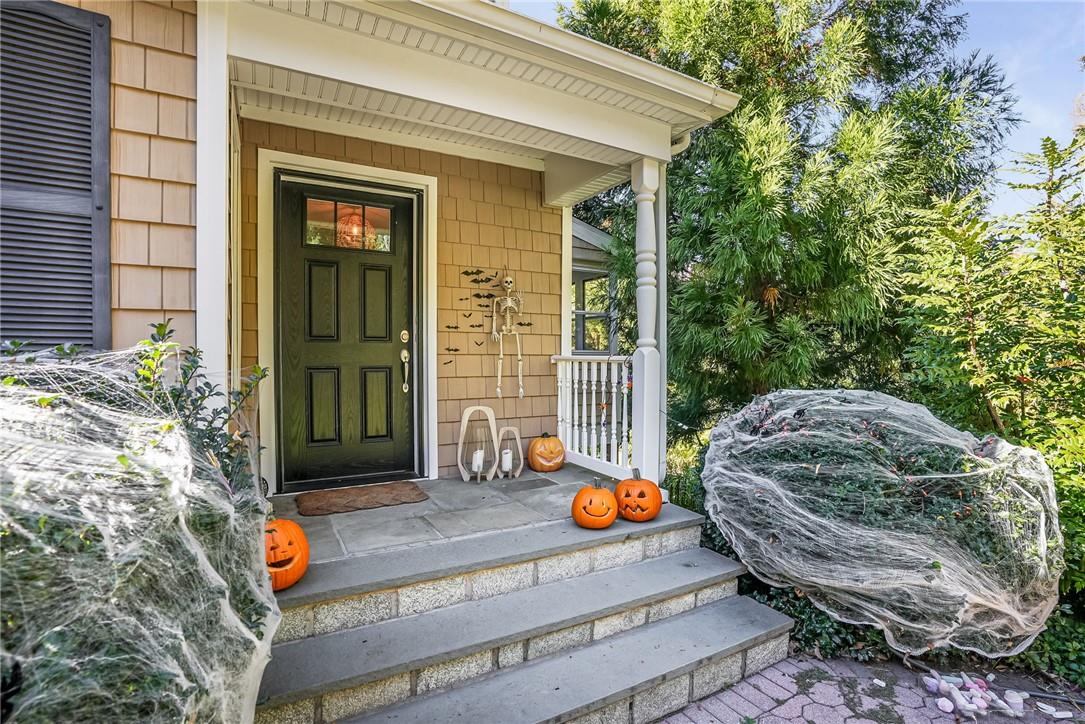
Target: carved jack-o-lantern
{"x": 545, "y": 454}
{"x": 594, "y": 507}
{"x": 287, "y": 552}
{"x": 638, "y": 500}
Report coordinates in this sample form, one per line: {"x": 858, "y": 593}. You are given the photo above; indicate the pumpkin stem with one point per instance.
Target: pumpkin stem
{"x": 636, "y": 473}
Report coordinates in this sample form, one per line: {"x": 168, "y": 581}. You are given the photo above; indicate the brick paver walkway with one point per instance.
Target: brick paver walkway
{"x": 802, "y": 690}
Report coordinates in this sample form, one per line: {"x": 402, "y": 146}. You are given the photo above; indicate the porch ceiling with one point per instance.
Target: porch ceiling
{"x": 464, "y": 77}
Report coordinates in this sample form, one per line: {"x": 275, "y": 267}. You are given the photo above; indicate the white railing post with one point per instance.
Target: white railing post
{"x": 646, "y": 368}
{"x": 597, "y": 438}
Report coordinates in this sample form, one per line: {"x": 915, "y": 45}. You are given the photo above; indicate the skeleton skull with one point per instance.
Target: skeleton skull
{"x": 506, "y": 282}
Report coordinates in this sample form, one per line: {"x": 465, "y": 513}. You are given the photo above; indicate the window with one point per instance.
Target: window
{"x": 593, "y": 325}
{"x": 54, "y": 175}
{"x": 347, "y": 226}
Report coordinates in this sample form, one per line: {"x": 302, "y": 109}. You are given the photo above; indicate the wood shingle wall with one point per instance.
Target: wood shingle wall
{"x": 490, "y": 216}
{"x": 152, "y": 165}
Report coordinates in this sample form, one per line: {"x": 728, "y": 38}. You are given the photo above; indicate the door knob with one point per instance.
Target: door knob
{"x": 405, "y": 357}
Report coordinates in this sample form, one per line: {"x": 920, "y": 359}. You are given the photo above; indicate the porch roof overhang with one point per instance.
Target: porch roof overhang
{"x": 465, "y": 78}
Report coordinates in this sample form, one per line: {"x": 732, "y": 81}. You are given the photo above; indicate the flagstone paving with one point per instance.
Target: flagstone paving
{"x": 804, "y": 690}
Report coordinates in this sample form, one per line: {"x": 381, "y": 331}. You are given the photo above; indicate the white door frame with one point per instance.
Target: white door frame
{"x": 268, "y": 162}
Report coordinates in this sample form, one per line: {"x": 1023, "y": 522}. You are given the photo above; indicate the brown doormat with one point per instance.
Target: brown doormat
{"x": 344, "y": 500}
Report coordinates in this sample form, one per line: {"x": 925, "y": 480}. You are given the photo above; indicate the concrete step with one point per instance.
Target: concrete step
{"x": 351, "y": 592}
{"x": 635, "y": 677}
{"x": 349, "y": 671}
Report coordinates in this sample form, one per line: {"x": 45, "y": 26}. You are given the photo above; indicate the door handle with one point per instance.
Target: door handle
{"x": 405, "y": 357}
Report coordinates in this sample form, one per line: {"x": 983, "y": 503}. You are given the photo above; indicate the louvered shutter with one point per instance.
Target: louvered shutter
{"x": 54, "y": 175}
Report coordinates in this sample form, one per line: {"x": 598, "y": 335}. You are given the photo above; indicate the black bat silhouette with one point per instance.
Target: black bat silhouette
{"x": 467, "y": 315}
{"x": 472, "y": 272}
{"x": 452, "y": 349}
{"x": 524, "y": 324}
{"x": 452, "y": 326}
{"x": 480, "y": 295}
{"x": 479, "y": 344}
{"x": 445, "y": 364}
{"x": 480, "y": 325}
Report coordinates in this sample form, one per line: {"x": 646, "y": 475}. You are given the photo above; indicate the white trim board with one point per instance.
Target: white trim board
{"x": 268, "y": 162}
{"x": 395, "y": 138}
{"x": 212, "y": 191}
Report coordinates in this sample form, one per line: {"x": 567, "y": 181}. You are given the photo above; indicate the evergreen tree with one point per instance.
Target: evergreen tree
{"x": 786, "y": 218}
{"x": 998, "y": 313}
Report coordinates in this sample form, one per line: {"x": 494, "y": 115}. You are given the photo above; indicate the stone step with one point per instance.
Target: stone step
{"x": 635, "y": 677}
{"x": 349, "y": 671}
{"x": 351, "y": 592}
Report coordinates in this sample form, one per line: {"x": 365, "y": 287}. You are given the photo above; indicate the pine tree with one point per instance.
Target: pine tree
{"x": 785, "y": 221}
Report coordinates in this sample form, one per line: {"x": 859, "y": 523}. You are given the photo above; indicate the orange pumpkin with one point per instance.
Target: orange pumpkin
{"x": 545, "y": 454}
{"x": 594, "y": 507}
{"x": 638, "y": 499}
{"x": 287, "y": 552}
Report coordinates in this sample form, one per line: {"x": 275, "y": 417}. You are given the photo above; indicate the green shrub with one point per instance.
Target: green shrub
{"x": 130, "y": 540}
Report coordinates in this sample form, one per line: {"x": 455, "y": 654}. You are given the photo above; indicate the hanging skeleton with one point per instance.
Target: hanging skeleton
{"x": 507, "y": 308}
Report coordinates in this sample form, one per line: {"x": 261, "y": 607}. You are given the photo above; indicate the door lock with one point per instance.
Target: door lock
{"x": 405, "y": 357}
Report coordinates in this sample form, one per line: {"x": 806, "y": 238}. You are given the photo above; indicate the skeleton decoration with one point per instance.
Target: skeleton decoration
{"x": 506, "y": 309}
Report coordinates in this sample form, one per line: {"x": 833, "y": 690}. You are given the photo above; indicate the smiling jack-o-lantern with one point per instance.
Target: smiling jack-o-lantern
{"x": 594, "y": 507}
{"x": 545, "y": 454}
{"x": 287, "y": 552}
{"x": 638, "y": 500}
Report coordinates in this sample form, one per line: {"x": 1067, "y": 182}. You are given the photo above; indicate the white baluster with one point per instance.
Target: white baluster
{"x": 614, "y": 412}
{"x": 604, "y": 411}
{"x": 623, "y": 452}
{"x": 593, "y": 439}
{"x": 561, "y": 402}
{"x": 574, "y": 437}
{"x": 584, "y": 407}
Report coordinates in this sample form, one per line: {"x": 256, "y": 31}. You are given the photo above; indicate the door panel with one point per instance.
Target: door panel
{"x": 344, "y": 295}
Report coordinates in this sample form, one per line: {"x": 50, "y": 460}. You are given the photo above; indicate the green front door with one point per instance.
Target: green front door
{"x": 346, "y": 342}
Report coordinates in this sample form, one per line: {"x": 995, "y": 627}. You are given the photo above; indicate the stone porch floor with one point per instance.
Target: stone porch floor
{"x": 802, "y": 690}
{"x": 454, "y": 509}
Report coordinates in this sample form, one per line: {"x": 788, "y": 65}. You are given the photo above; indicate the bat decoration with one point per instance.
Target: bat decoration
{"x": 464, "y": 299}
{"x": 480, "y": 295}
{"x": 483, "y": 305}
{"x": 479, "y": 344}
{"x": 452, "y": 326}
{"x": 480, "y": 325}
{"x": 446, "y": 364}
{"x": 486, "y": 280}
{"x": 452, "y": 349}
{"x": 523, "y": 324}
{"x": 472, "y": 272}
{"x": 467, "y": 315}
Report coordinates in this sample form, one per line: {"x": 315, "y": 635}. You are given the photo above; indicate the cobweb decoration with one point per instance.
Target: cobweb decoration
{"x": 885, "y": 516}
{"x": 134, "y": 585}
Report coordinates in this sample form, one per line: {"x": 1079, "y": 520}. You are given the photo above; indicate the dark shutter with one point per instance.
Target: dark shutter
{"x": 54, "y": 175}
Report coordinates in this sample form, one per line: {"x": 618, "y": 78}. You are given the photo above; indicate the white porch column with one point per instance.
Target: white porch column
{"x": 646, "y": 368}
{"x": 212, "y": 189}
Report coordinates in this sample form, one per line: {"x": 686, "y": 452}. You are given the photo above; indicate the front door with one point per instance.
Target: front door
{"x": 346, "y": 346}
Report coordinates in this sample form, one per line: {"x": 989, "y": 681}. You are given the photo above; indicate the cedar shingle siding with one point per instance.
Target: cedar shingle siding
{"x": 489, "y": 216}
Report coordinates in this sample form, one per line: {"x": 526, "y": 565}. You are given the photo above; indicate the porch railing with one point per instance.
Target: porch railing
{"x": 595, "y": 411}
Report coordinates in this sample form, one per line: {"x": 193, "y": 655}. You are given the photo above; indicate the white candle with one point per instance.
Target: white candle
{"x": 506, "y": 460}
{"x": 476, "y": 461}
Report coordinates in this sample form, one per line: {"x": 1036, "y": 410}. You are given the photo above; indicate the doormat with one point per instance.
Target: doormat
{"x": 344, "y": 500}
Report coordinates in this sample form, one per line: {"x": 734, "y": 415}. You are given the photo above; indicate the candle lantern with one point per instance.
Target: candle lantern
{"x": 511, "y": 452}
{"x": 477, "y": 451}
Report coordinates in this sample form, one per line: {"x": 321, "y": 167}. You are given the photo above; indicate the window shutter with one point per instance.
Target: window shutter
{"x": 54, "y": 175}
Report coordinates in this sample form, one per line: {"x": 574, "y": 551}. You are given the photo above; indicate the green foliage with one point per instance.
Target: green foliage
{"x": 998, "y": 324}
{"x": 1060, "y": 649}
{"x": 110, "y": 612}
{"x": 785, "y": 229}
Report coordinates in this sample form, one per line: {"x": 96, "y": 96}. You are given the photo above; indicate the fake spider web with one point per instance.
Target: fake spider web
{"x": 885, "y": 516}
{"x": 134, "y": 587}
